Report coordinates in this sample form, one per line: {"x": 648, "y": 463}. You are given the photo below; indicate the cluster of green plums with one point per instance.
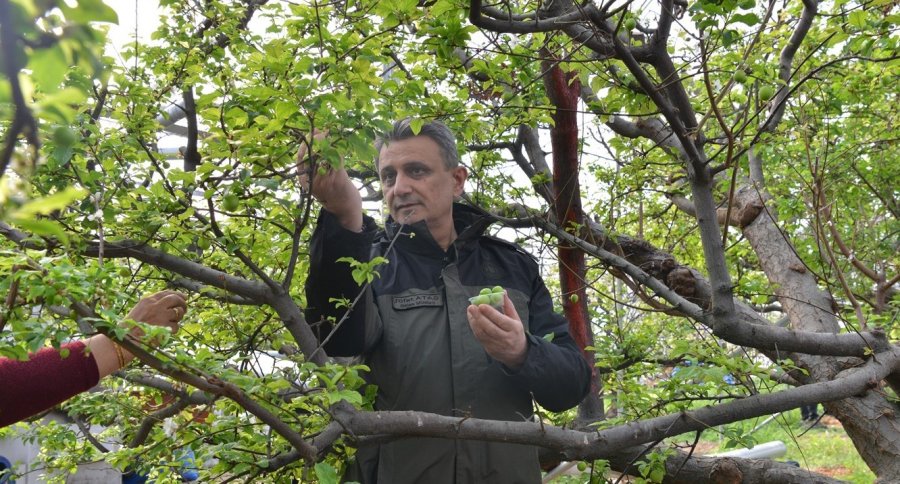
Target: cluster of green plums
{"x": 489, "y": 295}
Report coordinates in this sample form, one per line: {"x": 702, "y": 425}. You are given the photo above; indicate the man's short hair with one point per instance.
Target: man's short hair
{"x": 436, "y": 130}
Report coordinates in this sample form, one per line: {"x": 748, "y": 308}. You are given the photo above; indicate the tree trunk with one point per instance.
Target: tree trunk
{"x": 870, "y": 419}
{"x": 564, "y": 92}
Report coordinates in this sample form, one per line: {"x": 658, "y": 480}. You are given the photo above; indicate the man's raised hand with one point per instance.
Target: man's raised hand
{"x": 331, "y": 186}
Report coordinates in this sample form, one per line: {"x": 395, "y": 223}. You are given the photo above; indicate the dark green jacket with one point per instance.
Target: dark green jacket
{"x": 413, "y": 333}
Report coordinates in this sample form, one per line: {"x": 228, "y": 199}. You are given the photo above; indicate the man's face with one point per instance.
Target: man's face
{"x": 416, "y": 183}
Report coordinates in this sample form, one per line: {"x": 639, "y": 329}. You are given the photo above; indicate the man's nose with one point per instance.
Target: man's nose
{"x": 402, "y": 185}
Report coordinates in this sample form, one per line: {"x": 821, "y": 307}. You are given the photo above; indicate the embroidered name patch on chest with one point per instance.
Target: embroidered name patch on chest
{"x": 417, "y": 301}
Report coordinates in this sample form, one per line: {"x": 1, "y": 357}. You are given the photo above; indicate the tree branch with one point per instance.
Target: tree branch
{"x": 138, "y": 250}
{"x": 154, "y": 418}
{"x": 742, "y": 329}
{"x": 581, "y": 445}
{"x": 786, "y": 61}
{"x": 494, "y": 20}
{"x": 195, "y": 286}
{"x": 23, "y": 121}
{"x": 208, "y": 383}
{"x": 191, "y": 155}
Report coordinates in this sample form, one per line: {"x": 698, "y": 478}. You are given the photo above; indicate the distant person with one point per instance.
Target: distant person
{"x": 809, "y": 413}
{"x": 428, "y": 348}
{"x": 47, "y": 378}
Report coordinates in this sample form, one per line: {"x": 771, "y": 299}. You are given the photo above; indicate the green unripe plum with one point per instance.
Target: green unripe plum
{"x": 582, "y": 466}
{"x": 740, "y": 77}
{"x": 629, "y": 24}
{"x": 124, "y": 271}
{"x": 485, "y": 292}
{"x": 496, "y": 298}
{"x": 497, "y": 289}
{"x": 480, "y": 299}
{"x": 203, "y": 243}
{"x": 766, "y": 92}
{"x": 231, "y": 202}
{"x": 64, "y": 136}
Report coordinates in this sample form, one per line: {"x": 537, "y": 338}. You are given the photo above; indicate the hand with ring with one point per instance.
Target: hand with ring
{"x": 165, "y": 308}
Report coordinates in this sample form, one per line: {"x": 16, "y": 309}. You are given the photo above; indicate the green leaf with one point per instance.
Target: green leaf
{"x": 325, "y": 473}
{"x": 364, "y": 272}
{"x": 857, "y": 18}
{"x": 44, "y": 228}
{"x": 416, "y": 125}
{"x": 14, "y": 352}
{"x": 50, "y": 203}
{"x": 284, "y": 110}
{"x": 58, "y": 104}
{"x": 48, "y": 67}
{"x": 750, "y": 19}
{"x": 236, "y": 117}
{"x": 90, "y": 11}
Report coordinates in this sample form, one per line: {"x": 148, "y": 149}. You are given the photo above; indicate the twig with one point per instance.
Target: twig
{"x": 23, "y": 120}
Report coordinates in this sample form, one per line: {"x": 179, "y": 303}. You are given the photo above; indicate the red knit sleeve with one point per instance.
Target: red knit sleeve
{"x": 44, "y": 380}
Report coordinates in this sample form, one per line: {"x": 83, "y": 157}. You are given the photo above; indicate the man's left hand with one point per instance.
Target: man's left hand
{"x": 501, "y": 334}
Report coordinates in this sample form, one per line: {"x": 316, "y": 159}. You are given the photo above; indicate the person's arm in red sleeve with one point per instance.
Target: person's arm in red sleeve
{"x": 46, "y": 379}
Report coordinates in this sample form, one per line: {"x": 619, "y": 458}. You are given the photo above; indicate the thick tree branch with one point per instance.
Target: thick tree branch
{"x": 192, "y": 398}
{"x": 492, "y": 19}
{"x": 786, "y": 61}
{"x": 137, "y": 250}
{"x": 668, "y": 110}
{"x": 676, "y": 95}
{"x": 580, "y": 445}
{"x": 743, "y": 329}
{"x": 296, "y": 324}
{"x": 650, "y": 128}
{"x": 564, "y": 91}
{"x": 203, "y": 289}
{"x": 683, "y": 468}
{"x": 723, "y": 125}
{"x": 534, "y": 163}
{"x": 191, "y": 155}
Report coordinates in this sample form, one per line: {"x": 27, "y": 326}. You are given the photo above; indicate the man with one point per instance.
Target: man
{"x": 428, "y": 349}
{"x": 810, "y": 413}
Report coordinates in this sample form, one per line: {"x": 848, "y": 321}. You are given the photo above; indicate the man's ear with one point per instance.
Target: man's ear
{"x": 460, "y": 174}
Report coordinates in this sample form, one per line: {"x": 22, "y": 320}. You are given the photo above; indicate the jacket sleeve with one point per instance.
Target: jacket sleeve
{"x": 329, "y": 280}
{"x": 555, "y": 371}
{"x": 44, "y": 380}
